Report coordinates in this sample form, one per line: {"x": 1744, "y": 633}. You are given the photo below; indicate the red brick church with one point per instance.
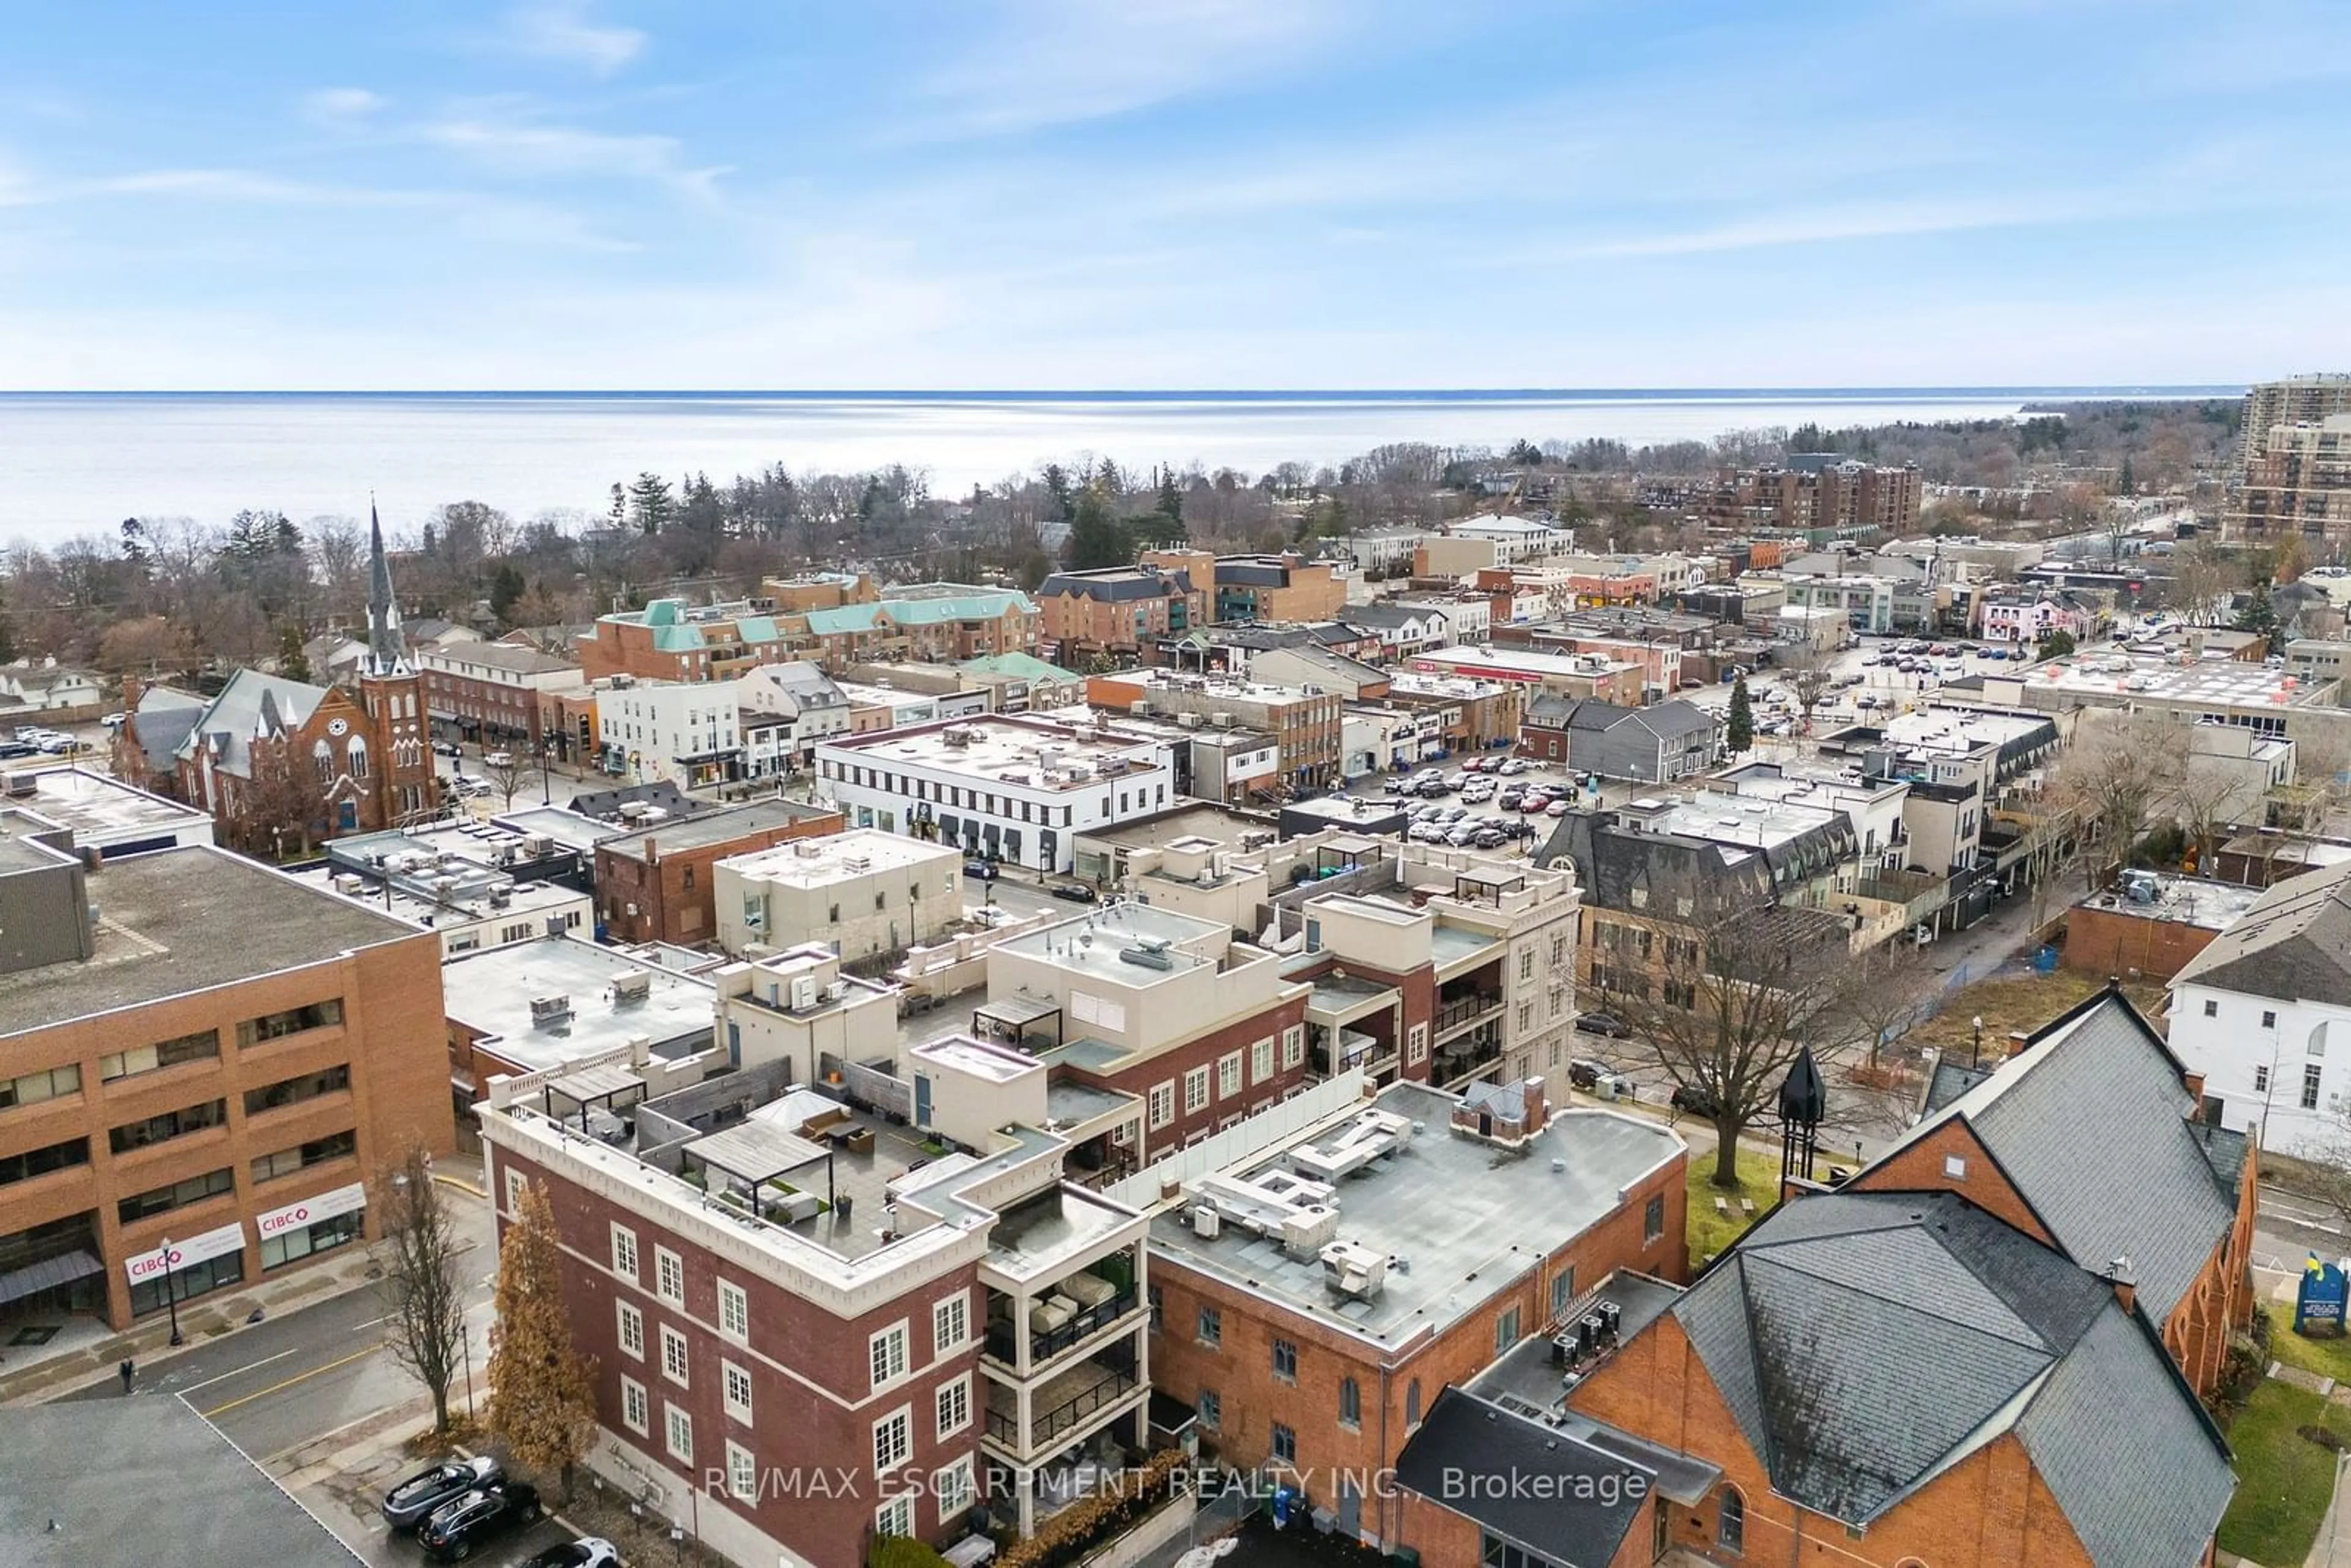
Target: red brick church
{"x": 282, "y": 764}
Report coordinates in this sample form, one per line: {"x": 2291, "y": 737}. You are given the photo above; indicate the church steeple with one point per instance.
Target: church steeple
{"x": 387, "y": 649}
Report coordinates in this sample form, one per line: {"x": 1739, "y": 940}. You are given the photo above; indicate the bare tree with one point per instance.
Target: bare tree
{"x": 2200, "y": 580}
{"x": 1885, "y": 995}
{"x": 1730, "y": 1006}
{"x": 424, "y": 1292}
{"x": 2117, "y": 780}
{"x": 509, "y": 777}
{"x": 1809, "y": 678}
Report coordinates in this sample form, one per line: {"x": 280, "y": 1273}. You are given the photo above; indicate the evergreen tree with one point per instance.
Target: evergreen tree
{"x": 1741, "y": 734}
{"x": 651, "y": 503}
{"x": 1057, "y": 493}
{"x": 506, "y": 591}
{"x": 1171, "y": 499}
{"x": 292, "y": 661}
{"x": 1096, "y": 537}
{"x": 2124, "y": 481}
{"x": 542, "y": 1390}
{"x": 2058, "y": 644}
{"x": 2259, "y": 614}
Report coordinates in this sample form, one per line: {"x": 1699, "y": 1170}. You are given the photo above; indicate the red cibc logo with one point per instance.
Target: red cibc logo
{"x": 292, "y": 1216}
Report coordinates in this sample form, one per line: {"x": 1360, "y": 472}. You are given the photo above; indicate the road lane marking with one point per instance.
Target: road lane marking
{"x": 290, "y": 1382}
{"x": 241, "y": 1370}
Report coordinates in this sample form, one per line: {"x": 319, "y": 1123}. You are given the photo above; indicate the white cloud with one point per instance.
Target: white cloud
{"x": 338, "y": 104}
{"x": 522, "y": 149}
{"x": 1063, "y": 61}
{"x": 560, "y": 30}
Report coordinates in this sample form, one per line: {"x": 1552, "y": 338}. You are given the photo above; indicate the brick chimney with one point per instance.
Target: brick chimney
{"x": 1537, "y": 1107}
{"x": 2017, "y": 1040}
{"x": 2195, "y": 1084}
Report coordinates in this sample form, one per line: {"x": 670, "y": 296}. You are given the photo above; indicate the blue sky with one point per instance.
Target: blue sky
{"x": 1172, "y": 194}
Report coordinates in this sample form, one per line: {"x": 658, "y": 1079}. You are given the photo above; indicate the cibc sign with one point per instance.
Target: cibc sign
{"x": 311, "y": 1210}
{"x": 217, "y": 1243}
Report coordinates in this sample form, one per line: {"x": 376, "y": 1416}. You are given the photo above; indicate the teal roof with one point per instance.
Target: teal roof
{"x": 847, "y": 618}
{"x": 756, "y": 628}
{"x": 676, "y": 639}
{"x": 1025, "y": 666}
{"x": 959, "y": 606}
{"x": 662, "y": 613}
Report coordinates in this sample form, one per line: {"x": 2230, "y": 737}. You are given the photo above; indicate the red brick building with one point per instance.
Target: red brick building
{"x": 277, "y": 761}
{"x": 1440, "y": 1234}
{"x": 493, "y": 693}
{"x": 874, "y": 1353}
{"x": 658, "y": 886}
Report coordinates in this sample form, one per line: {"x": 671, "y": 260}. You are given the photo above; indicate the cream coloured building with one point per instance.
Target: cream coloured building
{"x": 862, "y": 894}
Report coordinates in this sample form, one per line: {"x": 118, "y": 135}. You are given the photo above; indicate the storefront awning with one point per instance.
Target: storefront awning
{"x": 35, "y": 1278}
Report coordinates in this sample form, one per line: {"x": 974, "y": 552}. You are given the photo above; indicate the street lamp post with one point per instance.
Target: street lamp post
{"x": 1975, "y": 1053}
{"x": 170, "y": 1295}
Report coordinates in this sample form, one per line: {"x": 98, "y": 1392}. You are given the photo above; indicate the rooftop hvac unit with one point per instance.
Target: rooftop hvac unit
{"x": 1207, "y": 1222}
{"x": 1150, "y": 953}
{"x": 956, "y": 735}
{"x": 631, "y": 986}
{"x": 535, "y": 845}
{"x": 803, "y": 993}
{"x": 22, "y": 784}
{"x": 856, "y": 862}
{"x": 1187, "y": 721}
{"x": 835, "y": 991}
{"x": 1353, "y": 1270}
{"x": 348, "y": 883}
{"x": 500, "y": 897}
{"x": 556, "y": 924}
{"x": 546, "y": 1009}
{"x": 1134, "y": 710}
{"x": 444, "y": 888}
{"x": 1221, "y": 720}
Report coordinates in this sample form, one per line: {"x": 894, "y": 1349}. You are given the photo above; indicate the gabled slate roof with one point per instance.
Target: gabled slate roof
{"x": 1865, "y": 1342}
{"x": 251, "y": 706}
{"x": 1553, "y": 1493}
{"x": 2293, "y": 944}
{"x": 2090, "y": 1123}
{"x": 163, "y": 720}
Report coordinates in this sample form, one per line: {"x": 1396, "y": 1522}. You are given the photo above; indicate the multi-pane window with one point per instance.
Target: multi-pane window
{"x": 1293, "y": 1045}
{"x": 950, "y": 1323}
{"x": 1261, "y": 1059}
{"x": 1196, "y": 1090}
{"x": 1285, "y": 1359}
{"x": 625, "y": 1251}
{"x": 742, "y": 1472}
{"x": 895, "y": 1517}
{"x": 738, "y": 1381}
{"x": 32, "y": 1088}
{"x": 635, "y": 1412}
{"x": 1563, "y": 1291}
{"x": 175, "y": 1195}
{"x": 734, "y": 1312}
{"x": 1653, "y": 1218}
{"x": 954, "y": 1488}
{"x": 1163, "y": 1105}
{"x": 198, "y": 1047}
{"x": 1350, "y": 1402}
{"x": 680, "y": 1433}
{"x": 633, "y": 1330}
{"x": 894, "y": 1440}
{"x": 1493, "y": 1551}
{"x": 286, "y": 1162}
{"x": 293, "y": 1020}
{"x": 1506, "y": 1330}
{"x": 953, "y": 1406}
{"x": 2261, "y": 1079}
{"x": 669, "y": 1276}
{"x": 1212, "y": 1409}
{"x": 294, "y": 1091}
{"x": 886, "y": 1354}
{"x": 2310, "y": 1075}
{"x": 672, "y": 1355}
{"x": 1285, "y": 1444}
{"x": 1212, "y": 1326}
{"x": 1228, "y": 1076}
{"x": 162, "y": 1129}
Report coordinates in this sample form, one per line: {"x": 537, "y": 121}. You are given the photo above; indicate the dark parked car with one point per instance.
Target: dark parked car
{"x": 13, "y": 748}
{"x": 412, "y": 1503}
{"x": 1075, "y": 891}
{"x": 483, "y": 1514}
{"x": 1694, "y": 1098}
{"x": 1608, "y": 1024}
{"x": 980, "y": 869}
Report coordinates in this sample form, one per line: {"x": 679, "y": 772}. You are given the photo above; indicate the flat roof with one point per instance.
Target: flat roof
{"x": 524, "y": 900}
{"x": 490, "y": 992}
{"x": 1751, "y": 821}
{"x": 573, "y": 830}
{"x": 132, "y": 1483}
{"x": 188, "y": 919}
{"x": 99, "y": 808}
{"x": 705, "y": 829}
{"x": 2186, "y": 900}
{"x": 995, "y": 746}
{"x": 2224, "y": 681}
{"x": 1462, "y": 1218}
{"x": 1185, "y": 819}
{"x": 1115, "y": 928}
{"x": 998, "y": 1064}
{"x": 1035, "y": 1235}
{"x": 835, "y": 857}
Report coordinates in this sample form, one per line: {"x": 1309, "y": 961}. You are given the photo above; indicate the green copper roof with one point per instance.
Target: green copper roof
{"x": 756, "y": 628}
{"x": 1024, "y": 667}
{"x": 845, "y": 618}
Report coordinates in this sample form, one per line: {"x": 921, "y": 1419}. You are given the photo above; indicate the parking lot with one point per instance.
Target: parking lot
{"x": 348, "y": 1502}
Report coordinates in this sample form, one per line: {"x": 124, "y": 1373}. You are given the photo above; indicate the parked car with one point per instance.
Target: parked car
{"x": 497, "y": 759}
{"x": 1694, "y": 1098}
{"x": 1514, "y": 767}
{"x": 1559, "y": 808}
{"x": 447, "y": 749}
{"x": 414, "y": 1500}
{"x": 1075, "y": 891}
{"x": 1489, "y": 839}
{"x": 587, "y": 1552}
{"x": 456, "y": 1529}
{"x": 13, "y": 748}
{"x": 1607, "y": 1024}
{"x": 982, "y": 871}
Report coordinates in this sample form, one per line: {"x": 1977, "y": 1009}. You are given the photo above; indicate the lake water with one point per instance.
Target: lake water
{"x": 73, "y": 464}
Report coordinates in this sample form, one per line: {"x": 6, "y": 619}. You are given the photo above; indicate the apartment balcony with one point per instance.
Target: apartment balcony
{"x": 1454, "y": 1016}
{"x": 1467, "y": 1058}
{"x": 1063, "y": 1329}
{"x": 1063, "y": 1408}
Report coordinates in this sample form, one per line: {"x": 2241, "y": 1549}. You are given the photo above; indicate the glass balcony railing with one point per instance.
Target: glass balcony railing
{"x": 1002, "y": 1342}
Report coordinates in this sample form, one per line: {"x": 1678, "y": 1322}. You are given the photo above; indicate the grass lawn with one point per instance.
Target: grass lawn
{"x": 2283, "y": 1480}
{"x": 2327, "y": 1357}
{"x": 2025, "y": 1003}
{"x": 1709, "y": 1231}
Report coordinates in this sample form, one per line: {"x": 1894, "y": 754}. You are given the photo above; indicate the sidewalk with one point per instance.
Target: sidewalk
{"x": 32, "y": 1376}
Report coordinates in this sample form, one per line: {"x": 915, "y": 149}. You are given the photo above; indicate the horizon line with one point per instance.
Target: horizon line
{"x": 1042, "y": 393}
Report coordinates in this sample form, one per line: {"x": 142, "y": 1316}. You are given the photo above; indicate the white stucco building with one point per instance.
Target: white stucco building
{"x": 2264, "y": 1014}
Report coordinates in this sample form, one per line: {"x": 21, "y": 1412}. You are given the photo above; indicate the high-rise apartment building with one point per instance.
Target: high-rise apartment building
{"x": 2296, "y": 481}
{"x": 2296, "y": 400}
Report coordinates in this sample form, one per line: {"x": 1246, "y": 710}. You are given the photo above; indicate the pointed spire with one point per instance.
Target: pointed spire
{"x": 387, "y": 649}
